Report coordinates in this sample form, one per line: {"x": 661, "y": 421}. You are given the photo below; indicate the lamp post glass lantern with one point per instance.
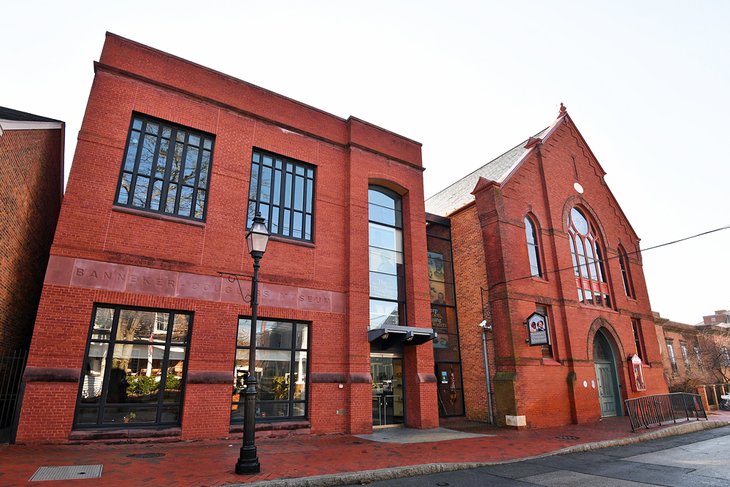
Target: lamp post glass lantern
{"x": 248, "y": 461}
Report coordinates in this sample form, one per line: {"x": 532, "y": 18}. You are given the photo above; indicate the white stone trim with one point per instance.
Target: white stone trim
{"x": 27, "y": 125}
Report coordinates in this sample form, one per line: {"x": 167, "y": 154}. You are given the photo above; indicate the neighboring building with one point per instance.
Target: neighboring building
{"x": 31, "y": 178}
{"x": 143, "y": 327}
{"x": 544, "y": 253}
{"x": 721, "y": 317}
{"x": 31, "y": 181}
{"x": 693, "y": 355}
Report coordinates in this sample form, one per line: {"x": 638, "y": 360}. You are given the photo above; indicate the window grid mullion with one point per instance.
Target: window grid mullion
{"x": 196, "y": 176}
{"x": 168, "y": 169}
{"x": 153, "y": 166}
{"x": 181, "y": 174}
{"x": 137, "y": 158}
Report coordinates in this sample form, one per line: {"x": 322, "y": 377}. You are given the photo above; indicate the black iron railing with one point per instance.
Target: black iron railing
{"x": 658, "y": 409}
{"x": 11, "y": 374}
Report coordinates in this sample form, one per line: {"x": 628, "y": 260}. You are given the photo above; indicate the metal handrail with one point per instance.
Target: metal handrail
{"x": 647, "y": 411}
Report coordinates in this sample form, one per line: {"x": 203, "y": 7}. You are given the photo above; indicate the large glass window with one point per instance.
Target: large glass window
{"x": 638, "y": 339}
{"x": 533, "y": 251}
{"x": 623, "y": 261}
{"x": 672, "y": 357}
{"x": 134, "y": 368}
{"x": 447, "y": 359}
{"x": 585, "y": 248}
{"x": 387, "y": 273}
{"x": 281, "y": 369}
{"x": 282, "y": 190}
{"x": 166, "y": 169}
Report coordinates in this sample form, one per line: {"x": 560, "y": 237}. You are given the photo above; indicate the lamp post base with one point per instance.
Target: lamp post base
{"x": 248, "y": 462}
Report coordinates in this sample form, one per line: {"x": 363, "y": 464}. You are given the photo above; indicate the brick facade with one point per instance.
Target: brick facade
{"x": 557, "y": 385}
{"x": 31, "y": 177}
{"x": 104, "y": 253}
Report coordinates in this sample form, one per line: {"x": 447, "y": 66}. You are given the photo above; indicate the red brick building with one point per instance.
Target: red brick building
{"x": 31, "y": 178}
{"x": 543, "y": 252}
{"x": 143, "y": 326}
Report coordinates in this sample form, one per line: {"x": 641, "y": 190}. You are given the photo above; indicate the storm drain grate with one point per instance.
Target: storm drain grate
{"x": 567, "y": 437}
{"x": 72, "y": 472}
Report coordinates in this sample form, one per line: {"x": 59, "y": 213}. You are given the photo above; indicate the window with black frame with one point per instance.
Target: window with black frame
{"x": 387, "y": 272}
{"x": 282, "y": 190}
{"x": 166, "y": 169}
{"x": 134, "y": 369}
{"x": 281, "y": 369}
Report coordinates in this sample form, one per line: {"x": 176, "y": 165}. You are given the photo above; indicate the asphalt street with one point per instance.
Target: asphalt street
{"x": 694, "y": 460}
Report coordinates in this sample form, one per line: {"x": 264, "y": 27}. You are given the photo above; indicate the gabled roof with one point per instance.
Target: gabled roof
{"x": 18, "y": 116}
{"x": 459, "y": 194}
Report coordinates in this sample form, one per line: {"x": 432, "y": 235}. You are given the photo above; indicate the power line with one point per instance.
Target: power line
{"x": 665, "y": 244}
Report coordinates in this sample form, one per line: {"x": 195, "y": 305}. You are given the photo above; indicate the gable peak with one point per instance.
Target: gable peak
{"x": 563, "y": 110}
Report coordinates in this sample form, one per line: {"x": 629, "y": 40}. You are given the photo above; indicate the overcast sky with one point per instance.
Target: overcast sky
{"x": 647, "y": 83}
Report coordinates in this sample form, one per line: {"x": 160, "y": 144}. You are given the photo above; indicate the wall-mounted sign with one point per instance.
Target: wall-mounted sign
{"x": 636, "y": 368}
{"x": 537, "y": 328}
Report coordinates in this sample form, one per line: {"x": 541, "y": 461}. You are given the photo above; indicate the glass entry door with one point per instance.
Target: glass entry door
{"x": 387, "y": 373}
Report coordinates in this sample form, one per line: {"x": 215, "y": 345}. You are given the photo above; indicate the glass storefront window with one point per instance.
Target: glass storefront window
{"x": 141, "y": 381}
{"x": 281, "y": 369}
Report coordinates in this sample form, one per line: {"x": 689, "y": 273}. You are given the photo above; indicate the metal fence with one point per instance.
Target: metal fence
{"x": 11, "y": 376}
{"x": 655, "y": 410}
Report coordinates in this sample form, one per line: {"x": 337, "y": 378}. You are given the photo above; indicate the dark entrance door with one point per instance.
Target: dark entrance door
{"x": 387, "y": 373}
{"x": 605, "y": 365}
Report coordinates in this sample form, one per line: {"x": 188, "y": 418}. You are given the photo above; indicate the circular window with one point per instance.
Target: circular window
{"x": 579, "y": 221}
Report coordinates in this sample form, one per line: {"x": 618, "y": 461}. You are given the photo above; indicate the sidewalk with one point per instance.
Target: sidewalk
{"x": 211, "y": 463}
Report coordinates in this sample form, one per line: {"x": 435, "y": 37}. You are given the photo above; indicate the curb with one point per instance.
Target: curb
{"x": 368, "y": 476}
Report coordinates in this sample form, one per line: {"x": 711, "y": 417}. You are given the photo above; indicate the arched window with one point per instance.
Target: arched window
{"x": 623, "y": 260}
{"x": 585, "y": 248}
{"x": 387, "y": 272}
{"x": 533, "y": 250}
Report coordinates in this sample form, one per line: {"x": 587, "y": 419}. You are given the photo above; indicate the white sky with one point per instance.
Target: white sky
{"x": 647, "y": 83}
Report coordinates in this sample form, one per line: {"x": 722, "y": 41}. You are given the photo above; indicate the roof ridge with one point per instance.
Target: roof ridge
{"x": 487, "y": 163}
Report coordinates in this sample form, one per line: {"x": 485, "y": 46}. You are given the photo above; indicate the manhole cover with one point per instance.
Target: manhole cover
{"x": 146, "y": 455}
{"x": 567, "y": 437}
{"x": 72, "y": 472}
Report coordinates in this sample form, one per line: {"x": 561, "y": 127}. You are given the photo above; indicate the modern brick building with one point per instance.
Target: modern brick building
{"x": 143, "y": 326}
{"x": 31, "y": 181}
{"x": 544, "y": 254}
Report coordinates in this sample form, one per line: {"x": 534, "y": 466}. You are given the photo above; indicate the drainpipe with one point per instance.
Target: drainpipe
{"x": 485, "y": 328}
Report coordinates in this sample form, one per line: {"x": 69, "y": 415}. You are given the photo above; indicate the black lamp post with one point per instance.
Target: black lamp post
{"x": 248, "y": 460}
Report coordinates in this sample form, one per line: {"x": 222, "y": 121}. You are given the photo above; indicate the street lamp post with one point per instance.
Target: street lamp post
{"x": 248, "y": 460}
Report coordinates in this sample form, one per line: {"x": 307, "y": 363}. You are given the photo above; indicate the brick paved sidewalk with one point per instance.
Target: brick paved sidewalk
{"x": 211, "y": 463}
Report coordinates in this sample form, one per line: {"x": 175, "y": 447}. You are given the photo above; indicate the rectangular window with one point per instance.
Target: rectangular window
{"x": 281, "y": 369}
{"x": 638, "y": 339}
{"x": 672, "y": 358}
{"x": 685, "y": 356}
{"x": 698, "y": 355}
{"x": 134, "y": 369}
{"x": 166, "y": 169}
{"x": 282, "y": 190}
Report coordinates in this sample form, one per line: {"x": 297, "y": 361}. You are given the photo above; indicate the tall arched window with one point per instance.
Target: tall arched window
{"x": 623, "y": 260}
{"x": 533, "y": 250}
{"x": 585, "y": 247}
{"x": 387, "y": 272}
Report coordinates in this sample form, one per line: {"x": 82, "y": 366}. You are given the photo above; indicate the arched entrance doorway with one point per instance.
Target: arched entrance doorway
{"x": 604, "y": 357}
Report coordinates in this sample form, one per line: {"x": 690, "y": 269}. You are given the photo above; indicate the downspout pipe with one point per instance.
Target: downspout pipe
{"x": 485, "y": 328}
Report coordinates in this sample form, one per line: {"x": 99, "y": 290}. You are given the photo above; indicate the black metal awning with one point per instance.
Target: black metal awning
{"x": 391, "y": 335}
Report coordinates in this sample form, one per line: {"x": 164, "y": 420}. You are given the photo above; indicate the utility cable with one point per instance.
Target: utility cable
{"x": 665, "y": 244}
